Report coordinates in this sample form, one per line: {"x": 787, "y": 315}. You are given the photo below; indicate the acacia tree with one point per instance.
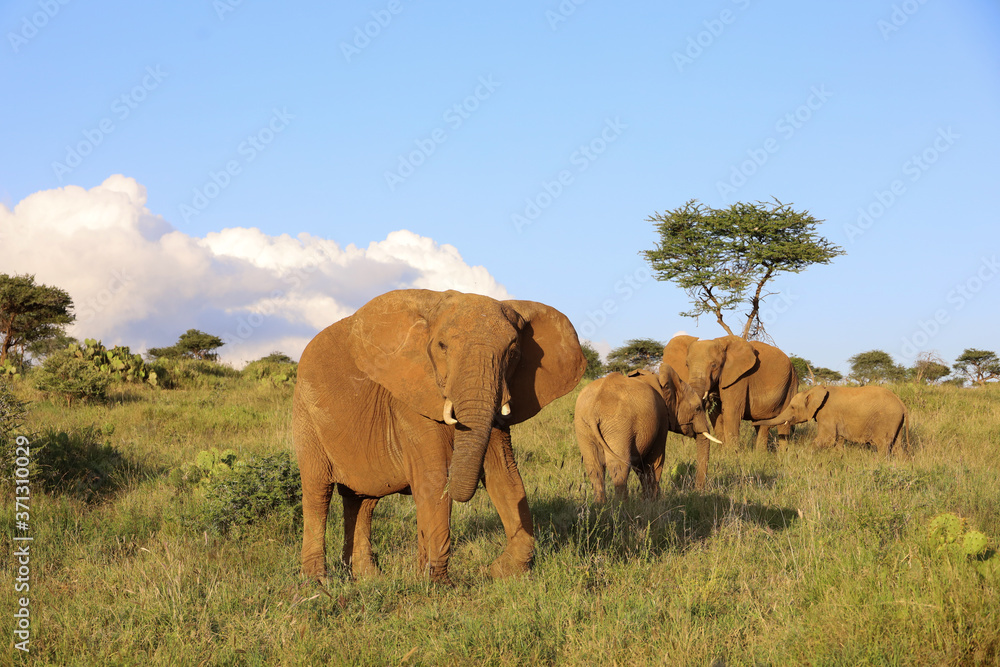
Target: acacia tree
{"x": 30, "y": 313}
{"x": 929, "y": 368}
{"x": 978, "y": 365}
{"x": 724, "y": 258}
{"x": 811, "y": 374}
{"x": 193, "y": 344}
{"x": 635, "y": 354}
{"x": 875, "y": 366}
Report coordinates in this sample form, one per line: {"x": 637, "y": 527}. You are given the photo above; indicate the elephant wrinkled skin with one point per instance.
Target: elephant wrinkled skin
{"x": 622, "y": 424}
{"x": 415, "y": 393}
{"x": 866, "y": 415}
{"x": 753, "y": 380}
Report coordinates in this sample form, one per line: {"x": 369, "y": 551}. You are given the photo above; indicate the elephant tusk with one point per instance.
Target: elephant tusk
{"x": 449, "y": 413}
{"x": 505, "y": 409}
{"x": 705, "y": 397}
{"x": 712, "y": 438}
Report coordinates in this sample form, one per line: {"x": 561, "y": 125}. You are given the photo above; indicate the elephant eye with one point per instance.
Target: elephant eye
{"x": 442, "y": 345}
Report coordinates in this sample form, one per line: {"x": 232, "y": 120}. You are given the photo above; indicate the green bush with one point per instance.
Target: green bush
{"x": 78, "y": 463}
{"x": 237, "y": 492}
{"x": 118, "y": 362}
{"x": 180, "y": 373}
{"x": 949, "y": 532}
{"x": 266, "y": 371}
{"x": 71, "y": 377}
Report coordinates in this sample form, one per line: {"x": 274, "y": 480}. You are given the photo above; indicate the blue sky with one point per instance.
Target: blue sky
{"x": 531, "y": 139}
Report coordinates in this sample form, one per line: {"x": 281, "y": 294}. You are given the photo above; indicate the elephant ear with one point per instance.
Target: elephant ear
{"x": 388, "y": 342}
{"x": 675, "y": 354}
{"x": 815, "y": 399}
{"x": 740, "y": 360}
{"x": 551, "y": 363}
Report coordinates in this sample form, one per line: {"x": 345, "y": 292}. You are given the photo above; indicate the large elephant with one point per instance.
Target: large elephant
{"x": 753, "y": 381}
{"x": 416, "y": 393}
{"x": 622, "y": 424}
{"x": 866, "y": 415}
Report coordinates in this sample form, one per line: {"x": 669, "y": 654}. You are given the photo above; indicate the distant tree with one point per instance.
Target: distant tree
{"x": 723, "y": 258}
{"x": 635, "y": 354}
{"x": 595, "y": 368}
{"x": 814, "y": 374}
{"x": 928, "y": 368}
{"x": 43, "y": 348}
{"x": 978, "y": 366}
{"x": 277, "y": 358}
{"x": 30, "y": 313}
{"x": 875, "y": 366}
{"x": 192, "y": 344}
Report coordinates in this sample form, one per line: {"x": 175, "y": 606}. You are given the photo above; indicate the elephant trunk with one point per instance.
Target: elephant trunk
{"x": 471, "y": 439}
{"x": 783, "y": 418}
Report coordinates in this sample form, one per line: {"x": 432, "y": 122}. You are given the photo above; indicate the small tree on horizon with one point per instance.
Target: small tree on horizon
{"x": 193, "y": 344}
{"x": 635, "y": 354}
{"x": 595, "y": 368}
{"x": 929, "y": 368}
{"x": 724, "y": 258}
{"x": 978, "y": 366}
{"x": 875, "y": 366}
{"x": 814, "y": 374}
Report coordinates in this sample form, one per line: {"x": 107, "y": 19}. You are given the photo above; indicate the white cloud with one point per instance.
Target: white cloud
{"x": 137, "y": 281}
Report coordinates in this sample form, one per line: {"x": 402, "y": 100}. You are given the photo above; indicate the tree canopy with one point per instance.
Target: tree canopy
{"x": 193, "y": 344}
{"x": 635, "y": 354}
{"x": 723, "y": 258}
{"x": 30, "y": 313}
{"x": 875, "y": 366}
{"x": 978, "y": 365}
{"x": 928, "y": 368}
{"x": 595, "y": 368}
{"x": 810, "y": 373}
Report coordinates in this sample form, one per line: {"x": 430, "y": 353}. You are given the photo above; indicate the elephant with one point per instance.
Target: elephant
{"x": 866, "y": 415}
{"x": 415, "y": 393}
{"x": 622, "y": 423}
{"x": 753, "y": 381}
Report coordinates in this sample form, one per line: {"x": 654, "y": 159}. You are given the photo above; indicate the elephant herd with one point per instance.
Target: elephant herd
{"x": 417, "y": 391}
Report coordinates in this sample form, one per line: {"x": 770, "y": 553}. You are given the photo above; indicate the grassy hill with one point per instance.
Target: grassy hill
{"x": 796, "y": 557}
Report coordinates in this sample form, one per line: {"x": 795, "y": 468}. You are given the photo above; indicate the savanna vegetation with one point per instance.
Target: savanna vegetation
{"x": 167, "y": 531}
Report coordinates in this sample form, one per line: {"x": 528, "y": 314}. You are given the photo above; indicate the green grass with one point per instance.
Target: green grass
{"x": 787, "y": 558}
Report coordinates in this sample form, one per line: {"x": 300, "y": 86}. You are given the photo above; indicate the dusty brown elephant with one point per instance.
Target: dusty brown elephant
{"x": 866, "y": 415}
{"x": 415, "y": 393}
{"x": 622, "y": 424}
{"x": 753, "y": 381}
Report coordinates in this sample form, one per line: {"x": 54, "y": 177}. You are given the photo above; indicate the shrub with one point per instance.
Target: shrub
{"x": 266, "y": 371}
{"x": 180, "y": 373}
{"x": 240, "y": 492}
{"x": 948, "y": 532}
{"x": 71, "y": 377}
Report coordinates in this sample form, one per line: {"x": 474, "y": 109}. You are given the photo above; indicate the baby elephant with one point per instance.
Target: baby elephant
{"x": 867, "y": 415}
{"x": 622, "y": 424}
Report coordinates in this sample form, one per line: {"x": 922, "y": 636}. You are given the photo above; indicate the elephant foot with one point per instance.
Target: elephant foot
{"x": 514, "y": 561}
{"x": 438, "y": 575}
{"x": 363, "y": 568}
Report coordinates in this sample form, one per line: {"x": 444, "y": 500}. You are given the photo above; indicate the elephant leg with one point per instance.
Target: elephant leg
{"x": 433, "y": 525}
{"x": 593, "y": 460}
{"x": 651, "y": 468}
{"x": 315, "y": 508}
{"x": 704, "y": 449}
{"x": 785, "y": 434}
{"x": 760, "y": 442}
{"x": 357, "y": 555}
{"x": 826, "y": 436}
{"x": 506, "y": 490}
{"x": 618, "y": 472}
